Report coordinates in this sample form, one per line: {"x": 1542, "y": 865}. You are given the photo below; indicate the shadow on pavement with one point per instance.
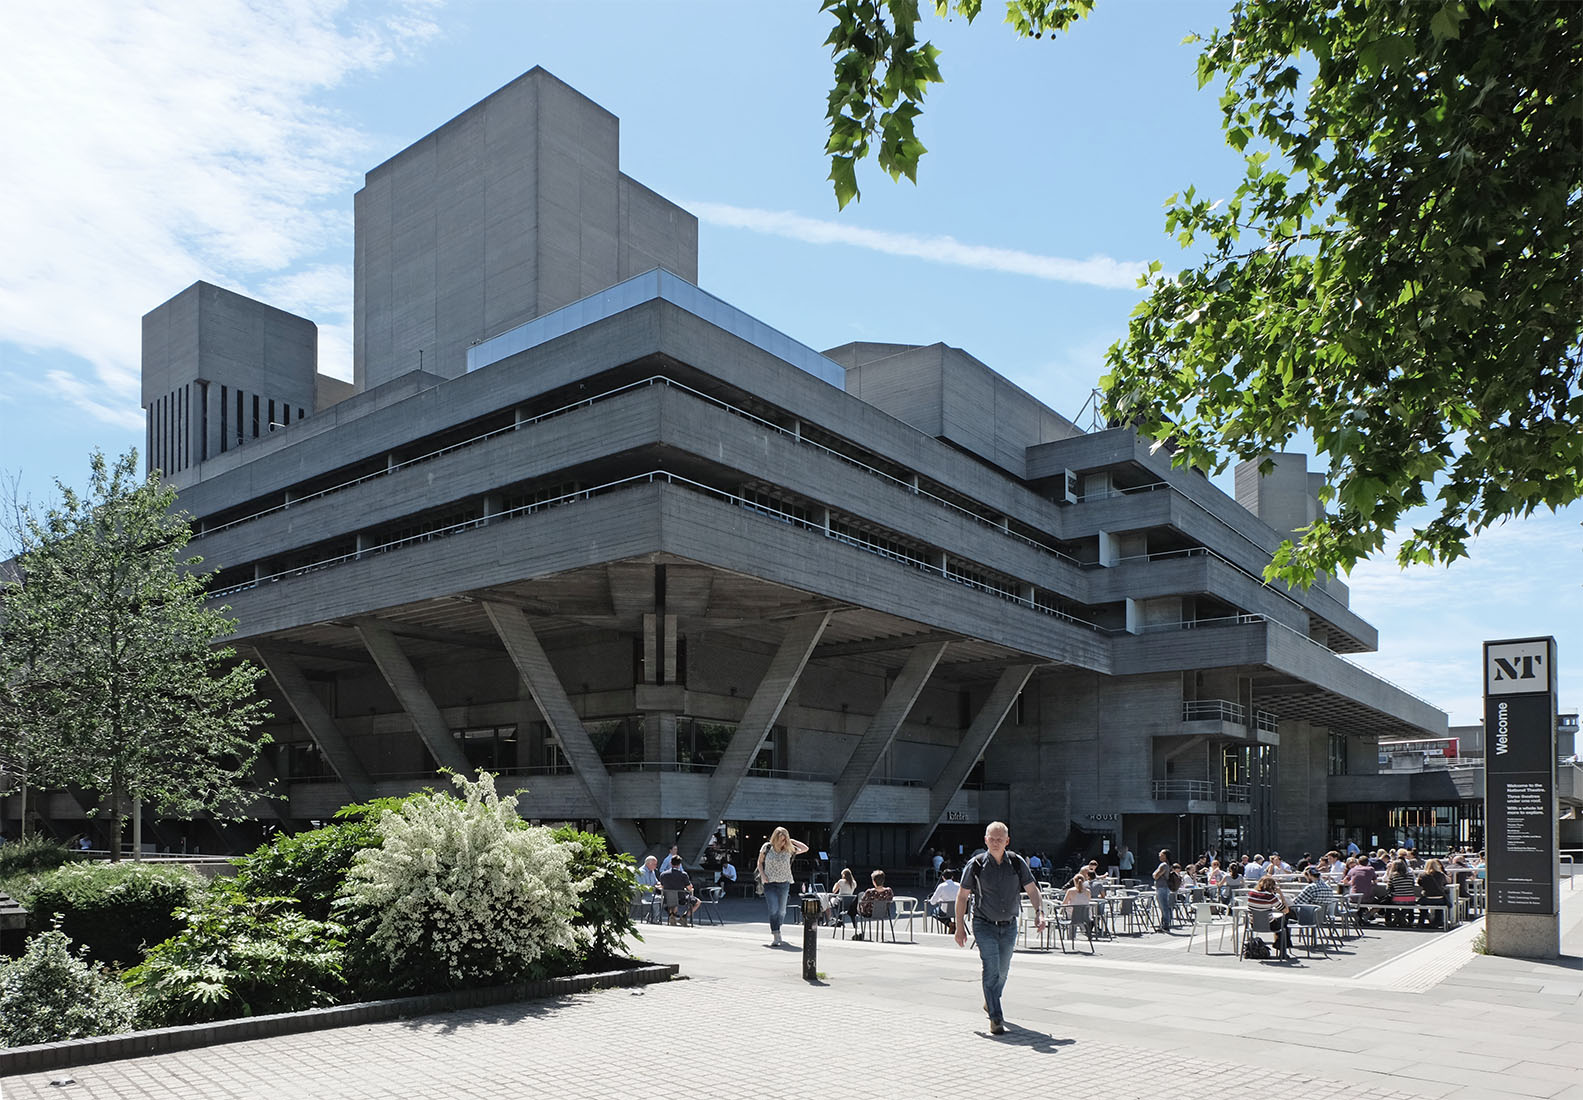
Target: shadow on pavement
{"x": 1037, "y": 1041}
{"x": 448, "y": 1023}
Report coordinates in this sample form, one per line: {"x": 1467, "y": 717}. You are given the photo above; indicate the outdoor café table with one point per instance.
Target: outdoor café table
{"x": 1102, "y": 911}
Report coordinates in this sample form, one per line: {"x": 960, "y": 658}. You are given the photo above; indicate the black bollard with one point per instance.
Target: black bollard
{"x": 810, "y": 937}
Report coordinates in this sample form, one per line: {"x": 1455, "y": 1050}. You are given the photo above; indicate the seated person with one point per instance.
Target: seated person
{"x": 649, "y": 885}
{"x": 1402, "y": 889}
{"x": 845, "y": 887}
{"x": 942, "y": 903}
{"x": 1315, "y": 891}
{"x": 1360, "y": 882}
{"x": 1076, "y": 900}
{"x": 879, "y": 895}
{"x": 727, "y": 873}
{"x": 675, "y": 878}
{"x": 1432, "y": 883}
{"x": 1461, "y": 871}
{"x": 1267, "y": 897}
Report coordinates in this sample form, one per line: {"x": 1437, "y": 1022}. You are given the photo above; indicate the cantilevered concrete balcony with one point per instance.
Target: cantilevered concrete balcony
{"x": 1225, "y": 720}
{"x": 1191, "y": 796}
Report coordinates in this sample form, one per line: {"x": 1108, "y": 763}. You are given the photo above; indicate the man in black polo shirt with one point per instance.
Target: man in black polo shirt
{"x": 994, "y": 879}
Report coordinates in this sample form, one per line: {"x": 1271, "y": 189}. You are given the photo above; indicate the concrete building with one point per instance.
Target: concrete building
{"x": 665, "y": 568}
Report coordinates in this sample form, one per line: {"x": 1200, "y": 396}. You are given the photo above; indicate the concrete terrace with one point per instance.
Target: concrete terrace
{"x": 1410, "y": 1016}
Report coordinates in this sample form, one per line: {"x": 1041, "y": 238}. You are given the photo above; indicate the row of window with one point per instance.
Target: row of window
{"x": 179, "y": 419}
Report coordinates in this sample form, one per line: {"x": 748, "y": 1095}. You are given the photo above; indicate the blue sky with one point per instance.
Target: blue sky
{"x": 152, "y": 144}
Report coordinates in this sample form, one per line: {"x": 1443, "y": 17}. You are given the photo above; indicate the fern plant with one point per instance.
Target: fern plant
{"x": 241, "y": 956}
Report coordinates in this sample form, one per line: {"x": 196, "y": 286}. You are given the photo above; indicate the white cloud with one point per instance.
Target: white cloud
{"x": 153, "y": 144}
{"x": 322, "y": 293}
{"x": 1067, "y": 382}
{"x": 1100, "y": 271}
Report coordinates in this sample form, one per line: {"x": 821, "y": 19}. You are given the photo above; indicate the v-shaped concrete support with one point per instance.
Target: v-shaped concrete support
{"x": 320, "y": 726}
{"x": 413, "y": 696}
{"x": 763, "y": 709}
{"x": 882, "y": 728}
{"x": 974, "y": 742}
{"x": 522, "y": 643}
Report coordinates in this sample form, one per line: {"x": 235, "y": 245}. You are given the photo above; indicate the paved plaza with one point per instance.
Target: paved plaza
{"x": 1404, "y": 1014}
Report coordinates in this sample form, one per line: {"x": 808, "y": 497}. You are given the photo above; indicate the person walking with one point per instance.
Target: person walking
{"x": 994, "y": 878}
{"x": 775, "y": 872}
{"x": 1126, "y": 863}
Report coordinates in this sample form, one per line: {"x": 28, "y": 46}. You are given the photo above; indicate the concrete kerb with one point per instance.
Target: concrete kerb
{"x": 137, "y": 1044}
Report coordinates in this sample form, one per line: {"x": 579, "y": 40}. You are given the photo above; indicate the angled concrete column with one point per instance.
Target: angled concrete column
{"x": 974, "y": 742}
{"x": 882, "y": 728}
{"x": 413, "y": 696}
{"x": 763, "y": 709}
{"x": 522, "y": 643}
{"x": 320, "y": 726}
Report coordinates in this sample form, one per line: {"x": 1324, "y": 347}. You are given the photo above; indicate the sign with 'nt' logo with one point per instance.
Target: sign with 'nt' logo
{"x": 1516, "y": 668}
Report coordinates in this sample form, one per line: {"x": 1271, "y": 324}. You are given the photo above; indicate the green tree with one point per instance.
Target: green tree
{"x": 113, "y": 681}
{"x": 1397, "y": 272}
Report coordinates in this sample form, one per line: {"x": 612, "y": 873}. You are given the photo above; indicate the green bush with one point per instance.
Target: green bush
{"x": 310, "y": 867}
{"x": 49, "y": 995}
{"x": 115, "y": 910}
{"x": 240, "y": 956}
{"x": 604, "y": 904}
{"x": 36, "y": 853}
{"x": 458, "y": 893}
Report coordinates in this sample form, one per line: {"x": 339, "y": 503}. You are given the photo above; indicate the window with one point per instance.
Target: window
{"x": 305, "y": 761}
{"x": 699, "y": 741}
{"x": 225, "y": 407}
{"x": 617, "y": 740}
{"x": 493, "y": 748}
{"x": 1337, "y": 755}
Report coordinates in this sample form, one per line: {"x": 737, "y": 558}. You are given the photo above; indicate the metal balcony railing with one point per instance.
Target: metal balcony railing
{"x": 1214, "y": 710}
{"x": 1201, "y": 790}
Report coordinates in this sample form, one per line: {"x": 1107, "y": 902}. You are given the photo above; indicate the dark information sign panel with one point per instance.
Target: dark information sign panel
{"x": 1520, "y": 775}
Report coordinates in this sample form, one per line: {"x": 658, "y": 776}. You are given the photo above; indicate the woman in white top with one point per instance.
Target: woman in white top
{"x": 845, "y": 887}
{"x": 775, "y": 872}
{"x": 1077, "y": 901}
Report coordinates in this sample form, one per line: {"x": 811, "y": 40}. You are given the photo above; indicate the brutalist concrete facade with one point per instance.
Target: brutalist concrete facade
{"x": 661, "y": 566}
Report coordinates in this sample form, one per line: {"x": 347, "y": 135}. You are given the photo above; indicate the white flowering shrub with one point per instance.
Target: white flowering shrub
{"x": 460, "y": 892}
{"x": 51, "y": 994}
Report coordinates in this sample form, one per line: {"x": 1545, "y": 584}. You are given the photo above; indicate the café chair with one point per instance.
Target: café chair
{"x": 677, "y": 909}
{"x": 1203, "y": 919}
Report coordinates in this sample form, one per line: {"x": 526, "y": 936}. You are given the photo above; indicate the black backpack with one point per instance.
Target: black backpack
{"x": 1255, "y": 948}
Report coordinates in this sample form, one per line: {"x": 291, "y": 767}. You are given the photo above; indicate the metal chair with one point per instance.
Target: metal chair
{"x": 1203, "y": 919}
{"x": 844, "y": 909}
{"x": 1305, "y": 918}
{"x": 1258, "y": 924}
{"x": 710, "y": 909}
{"x": 677, "y": 908}
{"x": 883, "y": 913}
{"x": 1069, "y": 920}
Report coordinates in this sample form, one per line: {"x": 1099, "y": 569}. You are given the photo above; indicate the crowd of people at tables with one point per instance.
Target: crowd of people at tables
{"x": 1395, "y": 887}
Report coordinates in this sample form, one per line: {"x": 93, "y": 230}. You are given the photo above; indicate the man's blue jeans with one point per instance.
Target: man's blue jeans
{"x": 996, "y": 942}
{"x": 775, "y": 895}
